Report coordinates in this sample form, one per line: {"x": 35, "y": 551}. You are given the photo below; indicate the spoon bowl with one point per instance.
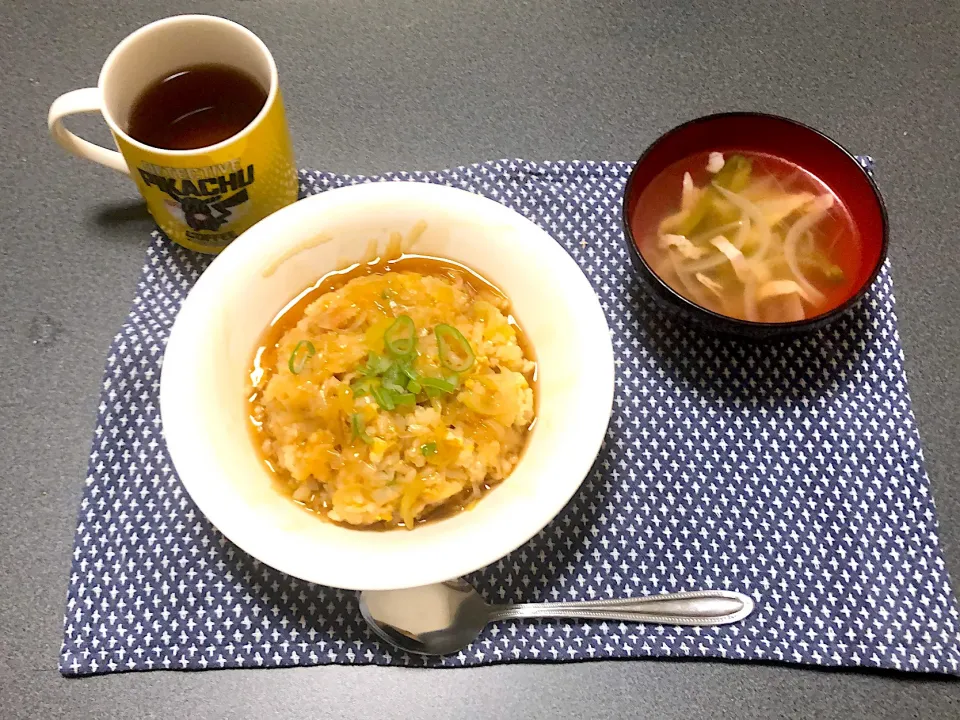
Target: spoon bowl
{"x": 434, "y": 619}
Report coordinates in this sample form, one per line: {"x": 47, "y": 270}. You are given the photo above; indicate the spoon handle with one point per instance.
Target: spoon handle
{"x": 707, "y": 607}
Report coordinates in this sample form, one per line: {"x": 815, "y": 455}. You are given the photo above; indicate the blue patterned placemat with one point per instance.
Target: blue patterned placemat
{"x": 789, "y": 470}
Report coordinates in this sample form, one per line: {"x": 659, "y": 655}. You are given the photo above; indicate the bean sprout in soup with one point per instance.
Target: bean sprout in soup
{"x": 392, "y": 393}
{"x": 749, "y": 236}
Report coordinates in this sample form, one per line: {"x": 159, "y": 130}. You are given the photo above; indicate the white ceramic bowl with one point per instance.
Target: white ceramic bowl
{"x": 208, "y": 358}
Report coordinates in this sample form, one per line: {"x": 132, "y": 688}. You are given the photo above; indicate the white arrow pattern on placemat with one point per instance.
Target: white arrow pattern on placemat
{"x": 790, "y": 470}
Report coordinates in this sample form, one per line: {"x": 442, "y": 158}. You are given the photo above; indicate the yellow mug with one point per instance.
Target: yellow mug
{"x": 203, "y": 198}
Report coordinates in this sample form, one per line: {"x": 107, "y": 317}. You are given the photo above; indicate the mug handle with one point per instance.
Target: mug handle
{"x": 80, "y": 101}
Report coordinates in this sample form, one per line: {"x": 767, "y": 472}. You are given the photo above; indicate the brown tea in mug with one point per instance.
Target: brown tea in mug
{"x": 195, "y": 107}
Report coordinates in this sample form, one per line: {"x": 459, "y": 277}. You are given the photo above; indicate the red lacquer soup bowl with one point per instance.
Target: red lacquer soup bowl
{"x": 781, "y": 141}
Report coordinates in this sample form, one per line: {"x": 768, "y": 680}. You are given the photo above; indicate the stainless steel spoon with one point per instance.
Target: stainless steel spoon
{"x": 444, "y": 618}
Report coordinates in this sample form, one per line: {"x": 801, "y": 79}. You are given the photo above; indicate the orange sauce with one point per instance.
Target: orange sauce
{"x": 265, "y": 359}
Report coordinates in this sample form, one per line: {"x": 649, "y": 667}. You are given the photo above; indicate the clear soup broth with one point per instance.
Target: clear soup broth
{"x": 749, "y": 236}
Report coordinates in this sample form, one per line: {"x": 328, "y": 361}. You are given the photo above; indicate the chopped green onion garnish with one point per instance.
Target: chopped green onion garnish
{"x": 377, "y": 364}
{"x": 389, "y": 399}
{"x": 400, "y": 339}
{"x": 406, "y": 367}
{"x": 391, "y": 382}
{"x": 394, "y": 379}
{"x": 455, "y": 352}
{"x": 428, "y": 449}
{"x": 438, "y": 384}
{"x": 356, "y": 424}
{"x": 296, "y": 363}
{"x": 387, "y": 294}
{"x": 362, "y": 386}
{"x": 405, "y": 398}
{"x": 383, "y": 397}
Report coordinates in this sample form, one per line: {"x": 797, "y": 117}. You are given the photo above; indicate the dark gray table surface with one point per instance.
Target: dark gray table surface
{"x": 426, "y": 84}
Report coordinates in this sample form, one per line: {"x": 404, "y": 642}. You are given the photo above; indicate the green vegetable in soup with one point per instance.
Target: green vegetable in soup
{"x": 819, "y": 263}
{"x": 735, "y": 174}
{"x": 712, "y": 205}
